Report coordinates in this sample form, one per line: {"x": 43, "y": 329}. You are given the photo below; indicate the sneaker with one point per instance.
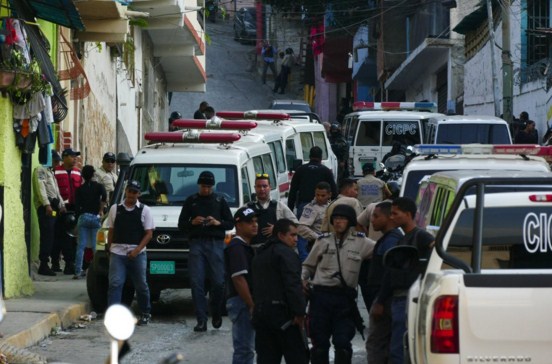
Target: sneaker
{"x": 77, "y": 276}
{"x": 201, "y": 326}
{"x": 144, "y": 319}
{"x": 45, "y": 270}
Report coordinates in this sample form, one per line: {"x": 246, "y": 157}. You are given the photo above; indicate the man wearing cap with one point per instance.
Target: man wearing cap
{"x": 238, "y": 256}
{"x": 330, "y": 276}
{"x": 268, "y": 211}
{"x": 370, "y": 188}
{"x": 305, "y": 179}
{"x": 130, "y": 230}
{"x": 107, "y": 175}
{"x": 48, "y": 203}
{"x": 206, "y": 217}
{"x": 68, "y": 179}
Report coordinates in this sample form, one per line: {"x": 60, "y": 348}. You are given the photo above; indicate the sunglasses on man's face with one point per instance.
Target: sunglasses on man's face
{"x": 265, "y": 175}
{"x": 110, "y": 160}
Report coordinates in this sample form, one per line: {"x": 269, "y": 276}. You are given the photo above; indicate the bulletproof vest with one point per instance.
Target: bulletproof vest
{"x": 264, "y": 217}
{"x": 128, "y": 227}
{"x": 403, "y": 279}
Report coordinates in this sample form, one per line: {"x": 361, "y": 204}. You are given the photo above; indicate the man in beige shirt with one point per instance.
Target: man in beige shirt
{"x": 107, "y": 175}
{"x": 348, "y": 192}
{"x": 48, "y": 202}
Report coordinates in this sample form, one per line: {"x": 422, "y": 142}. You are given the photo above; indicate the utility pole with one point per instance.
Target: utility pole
{"x": 493, "y": 62}
{"x": 507, "y": 69}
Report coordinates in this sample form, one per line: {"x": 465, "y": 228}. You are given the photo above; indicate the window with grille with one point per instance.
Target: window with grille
{"x": 538, "y": 18}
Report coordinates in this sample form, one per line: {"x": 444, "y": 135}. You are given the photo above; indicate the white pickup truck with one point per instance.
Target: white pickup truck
{"x": 486, "y": 295}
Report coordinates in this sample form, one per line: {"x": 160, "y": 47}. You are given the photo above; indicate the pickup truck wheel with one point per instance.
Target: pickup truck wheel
{"x": 96, "y": 285}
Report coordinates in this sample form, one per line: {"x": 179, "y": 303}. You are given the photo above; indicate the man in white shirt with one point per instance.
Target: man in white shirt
{"x": 130, "y": 230}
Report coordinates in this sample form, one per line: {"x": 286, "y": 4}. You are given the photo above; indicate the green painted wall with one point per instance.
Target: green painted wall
{"x": 15, "y": 270}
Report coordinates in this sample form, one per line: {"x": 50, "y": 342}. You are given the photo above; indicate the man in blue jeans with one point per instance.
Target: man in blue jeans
{"x": 206, "y": 217}
{"x": 238, "y": 256}
{"x": 130, "y": 230}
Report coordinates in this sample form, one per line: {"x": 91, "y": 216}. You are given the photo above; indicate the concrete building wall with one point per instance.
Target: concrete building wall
{"x": 529, "y": 96}
{"x": 14, "y": 263}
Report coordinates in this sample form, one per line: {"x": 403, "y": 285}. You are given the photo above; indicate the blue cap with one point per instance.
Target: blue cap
{"x": 134, "y": 185}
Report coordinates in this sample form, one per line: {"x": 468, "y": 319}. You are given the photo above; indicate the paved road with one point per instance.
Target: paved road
{"x": 232, "y": 83}
{"x": 170, "y": 331}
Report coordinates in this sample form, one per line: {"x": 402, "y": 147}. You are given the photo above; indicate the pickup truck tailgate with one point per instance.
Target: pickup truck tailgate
{"x": 506, "y": 318}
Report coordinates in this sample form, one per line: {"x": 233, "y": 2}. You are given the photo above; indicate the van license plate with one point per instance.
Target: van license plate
{"x": 162, "y": 267}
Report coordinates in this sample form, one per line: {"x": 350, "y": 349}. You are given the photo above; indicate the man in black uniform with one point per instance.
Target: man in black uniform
{"x": 305, "y": 179}
{"x": 340, "y": 148}
{"x": 205, "y": 217}
{"x": 237, "y": 258}
{"x": 280, "y": 304}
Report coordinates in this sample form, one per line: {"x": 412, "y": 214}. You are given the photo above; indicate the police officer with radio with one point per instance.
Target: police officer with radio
{"x": 206, "y": 217}
{"x": 330, "y": 276}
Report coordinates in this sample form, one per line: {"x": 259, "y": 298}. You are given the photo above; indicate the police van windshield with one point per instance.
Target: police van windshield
{"x": 514, "y": 237}
{"x": 169, "y": 184}
{"x": 374, "y": 133}
{"x": 473, "y": 133}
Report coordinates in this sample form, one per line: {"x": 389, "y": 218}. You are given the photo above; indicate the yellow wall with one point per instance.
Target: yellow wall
{"x": 15, "y": 269}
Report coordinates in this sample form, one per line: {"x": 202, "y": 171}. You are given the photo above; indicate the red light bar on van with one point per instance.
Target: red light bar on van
{"x": 253, "y": 114}
{"x": 540, "y": 198}
{"x": 215, "y": 123}
{"x": 192, "y": 137}
{"x": 389, "y": 105}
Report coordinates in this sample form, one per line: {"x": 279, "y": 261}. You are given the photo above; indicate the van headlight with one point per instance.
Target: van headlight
{"x": 101, "y": 238}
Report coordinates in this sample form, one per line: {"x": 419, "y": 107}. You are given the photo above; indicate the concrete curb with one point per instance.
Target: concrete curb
{"x": 43, "y": 328}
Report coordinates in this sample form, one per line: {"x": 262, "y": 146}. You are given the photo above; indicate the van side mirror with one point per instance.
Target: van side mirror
{"x": 403, "y": 257}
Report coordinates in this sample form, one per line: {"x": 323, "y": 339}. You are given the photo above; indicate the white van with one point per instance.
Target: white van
{"x": 290, "y": 137}
{"x": 168, "y": 174}
{"x": 437, "y": 158}
{"x": 372, "y": 134}
{"x": 466, "y": 129}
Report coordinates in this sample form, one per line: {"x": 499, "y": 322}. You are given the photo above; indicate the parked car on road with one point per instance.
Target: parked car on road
{"x": 290, "y": 105}
{"x": 245, "y": 25}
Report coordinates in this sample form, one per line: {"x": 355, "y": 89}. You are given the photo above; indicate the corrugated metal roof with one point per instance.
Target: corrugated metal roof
{"x": 61, "y": 12}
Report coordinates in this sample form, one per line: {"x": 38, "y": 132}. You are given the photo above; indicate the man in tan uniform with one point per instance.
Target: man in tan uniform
{"x": 107, "y": 175}
{"x": 348, "y": 192}
{"x": 332, "y": 270}
{"x": 48, "y": 202}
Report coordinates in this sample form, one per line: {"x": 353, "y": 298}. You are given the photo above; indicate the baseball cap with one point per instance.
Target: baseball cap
{"x": 134, "y": 185}
{"x": 69, "y": 151}
{"x": 109, "y": 156}
{"x": 245, "y": 214}
{"x": 368, "y": 167}
{"x": 206, "y": 178}
{"x": 55, "y": 156}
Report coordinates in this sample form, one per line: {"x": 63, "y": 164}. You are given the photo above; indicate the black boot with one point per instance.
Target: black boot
{"x": 201, "y": 326}
{"x": 69, "y": 269}
{"x": 319, "y": 356}
{"x": 44, "y": 270}
{"x": 56, "y": 267}
{"x": 342, "y": 356}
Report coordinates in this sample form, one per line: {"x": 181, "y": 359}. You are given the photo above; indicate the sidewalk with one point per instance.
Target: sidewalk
{"x": 57, "y": 302}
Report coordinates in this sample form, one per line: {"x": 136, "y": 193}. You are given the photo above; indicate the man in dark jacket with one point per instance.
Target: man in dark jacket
{"x": 205, "y": 217}
{"x": 306, "y": 178}
{"x": 279, "y": 313}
